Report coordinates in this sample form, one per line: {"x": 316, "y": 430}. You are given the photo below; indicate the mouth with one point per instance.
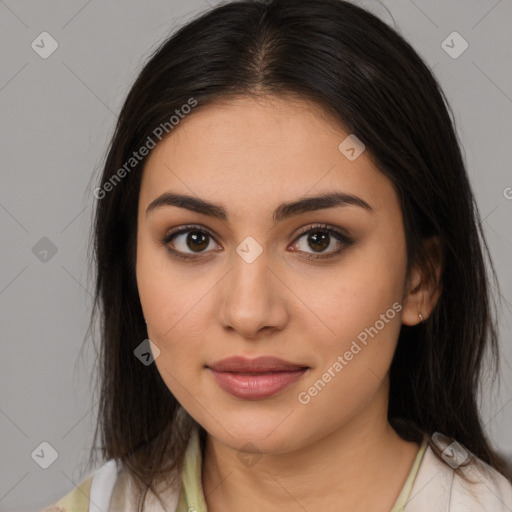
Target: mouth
{"x": 255, "y": 379}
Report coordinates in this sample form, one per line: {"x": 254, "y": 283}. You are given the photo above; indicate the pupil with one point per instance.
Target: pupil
{"x": 321, "y": 241}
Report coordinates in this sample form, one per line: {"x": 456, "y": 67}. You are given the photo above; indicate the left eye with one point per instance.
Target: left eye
{"x": 320, "y": 239}
{"x": 198, "y": 240}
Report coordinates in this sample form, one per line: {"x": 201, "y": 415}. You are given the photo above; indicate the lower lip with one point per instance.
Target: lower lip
{"x": 256, "y": 386}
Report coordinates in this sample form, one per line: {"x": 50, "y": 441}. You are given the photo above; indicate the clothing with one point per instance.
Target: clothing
{"x": 431, "y": 486}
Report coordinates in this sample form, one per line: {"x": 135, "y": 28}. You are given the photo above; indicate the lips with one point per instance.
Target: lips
{"x": 262, "y": 364}
{"x": 255, "y": 379}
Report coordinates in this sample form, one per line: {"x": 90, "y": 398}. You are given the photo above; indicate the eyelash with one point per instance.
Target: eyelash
{"x": 325, "y": 228}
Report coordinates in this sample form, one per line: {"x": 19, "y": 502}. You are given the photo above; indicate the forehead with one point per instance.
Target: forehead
{"x": 262, "y": 151}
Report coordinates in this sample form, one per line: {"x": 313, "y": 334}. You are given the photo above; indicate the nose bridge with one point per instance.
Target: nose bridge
{"x": 252, "y": 301}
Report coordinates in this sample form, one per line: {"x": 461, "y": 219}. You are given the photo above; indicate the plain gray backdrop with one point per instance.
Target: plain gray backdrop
{"x": 58, "y": 112}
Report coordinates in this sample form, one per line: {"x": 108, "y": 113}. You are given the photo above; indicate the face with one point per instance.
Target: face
{"x": 321, "y": 288}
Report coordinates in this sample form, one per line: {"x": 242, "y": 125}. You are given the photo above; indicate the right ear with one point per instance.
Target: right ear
{"x": 422, "y": 288}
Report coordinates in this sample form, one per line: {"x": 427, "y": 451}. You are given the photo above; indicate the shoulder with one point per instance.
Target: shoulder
{"x": 490, "y": 490}
{"x": 95, "y": 489}
{"x": 77, "y": 500}
{"x": 439, "y": 488}
{"x": 108, "y": 488}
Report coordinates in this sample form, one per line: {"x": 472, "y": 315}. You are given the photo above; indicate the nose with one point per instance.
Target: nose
{"x": 255, "y": 298}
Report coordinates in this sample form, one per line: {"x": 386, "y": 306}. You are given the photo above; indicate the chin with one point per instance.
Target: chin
{"x": 265, "y": 438}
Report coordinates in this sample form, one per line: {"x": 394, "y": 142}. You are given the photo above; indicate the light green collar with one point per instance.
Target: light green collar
{"x": 192, "y": 496}
{"x": 403, "y": 497}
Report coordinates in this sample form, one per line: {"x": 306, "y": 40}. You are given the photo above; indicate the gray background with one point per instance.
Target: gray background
{"x": 60, "y": 113}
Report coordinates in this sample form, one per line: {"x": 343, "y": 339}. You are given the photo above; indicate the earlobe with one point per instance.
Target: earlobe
{"x": 414, "y": 310}
{"x": 424, "y": 286}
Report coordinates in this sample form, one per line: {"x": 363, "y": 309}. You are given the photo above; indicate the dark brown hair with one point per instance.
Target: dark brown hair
{"x": 361, "y": 71}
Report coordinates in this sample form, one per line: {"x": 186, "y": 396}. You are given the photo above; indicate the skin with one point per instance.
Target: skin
{"x": 250, "y": 155}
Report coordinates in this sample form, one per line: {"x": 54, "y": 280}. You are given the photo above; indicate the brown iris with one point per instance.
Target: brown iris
{"x": 199, "y": 240}
{"x": 321, "y": 241}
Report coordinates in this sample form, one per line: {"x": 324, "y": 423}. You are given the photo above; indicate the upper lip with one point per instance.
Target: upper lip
{"x": 239, "y": 364}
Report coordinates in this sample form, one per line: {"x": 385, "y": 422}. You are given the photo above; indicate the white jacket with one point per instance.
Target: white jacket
{"x": 438, "y": 488}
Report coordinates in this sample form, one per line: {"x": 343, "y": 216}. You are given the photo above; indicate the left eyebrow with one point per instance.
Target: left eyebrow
{"x": 283, "y": 211}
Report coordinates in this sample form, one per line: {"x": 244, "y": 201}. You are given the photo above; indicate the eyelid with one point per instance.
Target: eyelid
{"x": 320, "y": 226}
{"x": 185, "y": 228}
{"x": 301, "y": 231}
{"x": 339, "y": 233}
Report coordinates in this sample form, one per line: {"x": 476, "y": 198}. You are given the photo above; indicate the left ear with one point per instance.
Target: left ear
{"x": 423, "y": 286}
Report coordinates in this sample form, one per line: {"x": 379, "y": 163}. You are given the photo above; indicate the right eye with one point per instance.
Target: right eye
{"x": 196, "y": 240}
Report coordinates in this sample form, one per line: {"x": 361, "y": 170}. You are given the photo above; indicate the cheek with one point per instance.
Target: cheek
{"x": 165, "y": 312}
{"x": 364, "y": 313}
{"x": 358, "y": 293}
{"x": 362, "y": 308}
{"x": 173, "y": 299}
{"x": 157, "y": 285}
{"x": 154, "y": 290}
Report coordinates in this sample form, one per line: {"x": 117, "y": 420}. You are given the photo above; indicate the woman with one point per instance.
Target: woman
{"x": 290, "y": 277}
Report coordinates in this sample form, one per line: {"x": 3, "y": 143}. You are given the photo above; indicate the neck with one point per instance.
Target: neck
{"x": 333, "y": 472}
